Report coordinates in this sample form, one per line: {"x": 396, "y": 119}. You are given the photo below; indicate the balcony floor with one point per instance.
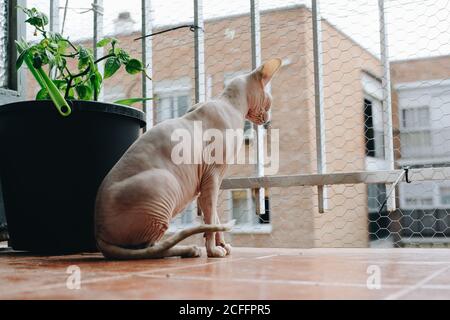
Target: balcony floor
{"x": 248, "y": 274}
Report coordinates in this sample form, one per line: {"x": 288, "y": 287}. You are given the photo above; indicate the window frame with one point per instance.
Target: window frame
{"x": 248, "y": 228}
{"x": 377, "y": 133}
{"x": 15, "y": 87}
{"x": 409, "y": 131}
{"x": 414, "y": 128}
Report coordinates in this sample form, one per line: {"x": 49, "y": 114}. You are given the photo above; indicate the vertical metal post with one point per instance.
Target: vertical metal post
{"x": 54, "y": 15}
{"x": 387, "y": 106}
{"x": 319, "y": 101}
{"x": 54, "y": 24}
{"x": 147, "y": 59}
{"x": 199, "y": 42}
{"x": 200, "y": 87}
{"x": 256, "y": 62}
{"x": 97, "y": 6}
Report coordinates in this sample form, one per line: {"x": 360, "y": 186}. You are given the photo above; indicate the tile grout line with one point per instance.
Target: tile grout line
{"x": 418, "y": 285}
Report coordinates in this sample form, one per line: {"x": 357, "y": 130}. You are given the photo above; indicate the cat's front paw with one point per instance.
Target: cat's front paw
{"x": 216, "y": 252}
{"x": 227, "y": 248}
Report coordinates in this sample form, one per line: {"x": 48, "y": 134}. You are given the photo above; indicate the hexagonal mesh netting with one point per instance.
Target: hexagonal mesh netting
{"x": 352, "y": 82}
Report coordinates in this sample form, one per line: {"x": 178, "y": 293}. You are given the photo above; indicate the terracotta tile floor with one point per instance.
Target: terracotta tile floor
{"x": 247, "y": 274}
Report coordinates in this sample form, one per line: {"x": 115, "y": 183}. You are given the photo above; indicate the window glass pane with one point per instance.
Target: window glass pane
{"x": 3, "y": 44}
{"x": 368, "y": 128}
{"x": 408, "y": 118}
{"x": 379, "y": 144}
{"x": 376, "y": 194}
{"x": 416, "y": 117}
{"x": 240, "y": 206}
{"x": 182, "y": 106}
{"x": 164, "y": 109}
{"x": 423, "y": 117}
{"x": 187, "y": 216}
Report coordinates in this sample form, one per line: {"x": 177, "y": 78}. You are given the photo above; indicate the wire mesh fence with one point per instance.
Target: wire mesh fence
{"x": 354, "y": 108}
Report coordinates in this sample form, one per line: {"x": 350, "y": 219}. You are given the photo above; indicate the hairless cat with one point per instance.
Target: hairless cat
{"x": 146, "y": 189}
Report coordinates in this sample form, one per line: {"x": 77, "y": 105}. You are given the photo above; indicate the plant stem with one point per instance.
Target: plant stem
{"x": 105, "y": 57}
{"x": 83, "y": 73}
{"x": 71, "y": 44}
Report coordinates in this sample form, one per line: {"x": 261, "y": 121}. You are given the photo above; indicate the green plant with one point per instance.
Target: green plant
{"x": 58, "y": 82}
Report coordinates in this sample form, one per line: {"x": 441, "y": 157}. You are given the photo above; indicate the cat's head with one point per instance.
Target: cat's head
{"x": 258, "y": 99}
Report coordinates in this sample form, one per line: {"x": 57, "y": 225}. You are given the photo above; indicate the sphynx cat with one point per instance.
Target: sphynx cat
{"x": 146, "y": 189}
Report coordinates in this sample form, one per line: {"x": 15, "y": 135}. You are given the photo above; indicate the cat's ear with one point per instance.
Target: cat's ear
{"x": 266, "y": 71}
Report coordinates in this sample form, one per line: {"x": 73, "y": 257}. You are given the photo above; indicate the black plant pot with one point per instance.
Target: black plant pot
{"x": 51, "y": 167}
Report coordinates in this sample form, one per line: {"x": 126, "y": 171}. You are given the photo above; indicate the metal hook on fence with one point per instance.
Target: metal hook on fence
{"x": 407, "y": 174}
{"x": 404, "y": 173}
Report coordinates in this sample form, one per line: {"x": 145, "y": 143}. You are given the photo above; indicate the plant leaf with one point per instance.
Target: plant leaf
{"x": 84, "y": 92}
{"x": 111, "y": 66}
{"x": 123, "y": 56}
{"x": 84, "y": 57}
{"x": 36, "y": 18}
{"x": 104, "y": 42}
{"x": 130, "y": 101}
{"x": 50, "y": 56}
{"x": 95, "y": 79}
{"x": 134, "y": 66}
{"x": 20, "y": 59}
{"x": 42, "y": 95}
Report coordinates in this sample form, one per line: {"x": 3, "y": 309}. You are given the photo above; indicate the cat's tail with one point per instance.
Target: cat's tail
{"x": 157, "y": 250}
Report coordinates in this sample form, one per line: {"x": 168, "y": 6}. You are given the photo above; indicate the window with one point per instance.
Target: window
{"x": 243, "y": 209}
{"x": 416, "y": 135}
{"x": 419, "y": 195}
{"x": 418, "y": 201}
{"x": 171, "y": 106}
{"x": 187, "y": 217}
{"x": 376, "y": 195}
{"x": 416, "y": 140}
{"x": 373, "y": 128}
{"x": 378, "y": 220}
{"x": 413, "y": 118}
